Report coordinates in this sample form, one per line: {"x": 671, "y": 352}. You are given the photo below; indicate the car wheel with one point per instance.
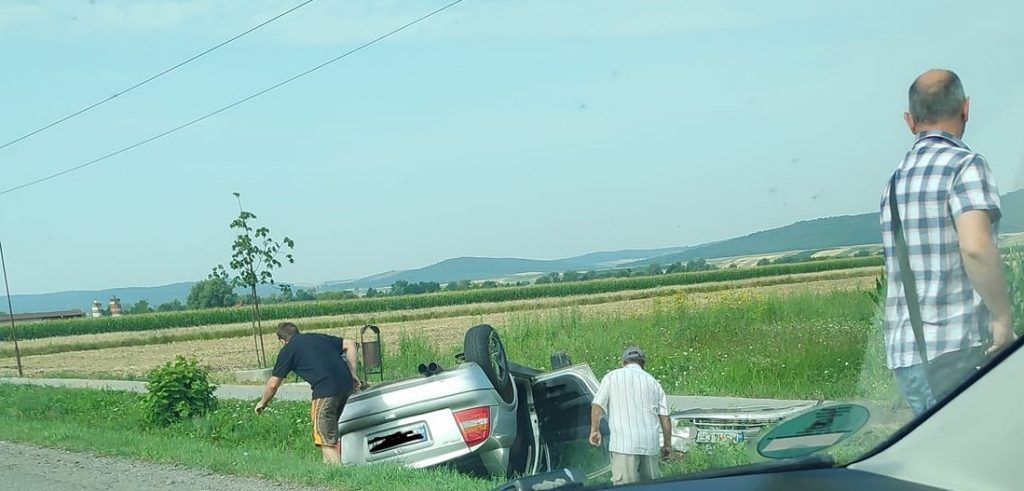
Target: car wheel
{"x": 483, "y": 346}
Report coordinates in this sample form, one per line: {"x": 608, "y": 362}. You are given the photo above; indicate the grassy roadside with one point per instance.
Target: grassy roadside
{"x": 795, "y": 346}
{"x": 273, "y": 446}
{"x": 276, "y": 445}
{"x": 45, "y": 346}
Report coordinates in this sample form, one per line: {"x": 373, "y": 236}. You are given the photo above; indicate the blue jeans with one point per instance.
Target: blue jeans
{"x": 913, "y": 384}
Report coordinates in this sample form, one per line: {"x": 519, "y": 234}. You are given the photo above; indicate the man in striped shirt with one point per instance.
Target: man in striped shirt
{"x": 948, "y": 205}
{"x": 636, "y": 407}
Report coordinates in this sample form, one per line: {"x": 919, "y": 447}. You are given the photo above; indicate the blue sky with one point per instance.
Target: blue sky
{"x": 533, "y": 128}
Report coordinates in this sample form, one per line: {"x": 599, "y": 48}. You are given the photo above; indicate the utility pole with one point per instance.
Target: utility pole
{"x": 10, "y": 312}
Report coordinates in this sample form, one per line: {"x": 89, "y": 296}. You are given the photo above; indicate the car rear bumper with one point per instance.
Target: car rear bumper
{"x": 443, "y": 442}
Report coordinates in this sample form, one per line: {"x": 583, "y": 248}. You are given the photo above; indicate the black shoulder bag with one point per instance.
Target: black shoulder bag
{"x": 947, "y": 370}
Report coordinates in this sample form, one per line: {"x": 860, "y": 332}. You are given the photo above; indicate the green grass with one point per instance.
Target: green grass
{"x": 276, "y": 445}
{"x": 800, "y": 346}
{"x": 708, "y": 457}
{"x": 797, "y": 346}
{"x": 163, "y": 320}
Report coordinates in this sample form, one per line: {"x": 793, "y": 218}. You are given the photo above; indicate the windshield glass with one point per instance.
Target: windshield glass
{"x": 687, "y": 225}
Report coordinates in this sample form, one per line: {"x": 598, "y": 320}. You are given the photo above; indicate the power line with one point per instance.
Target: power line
{"x": 154, "y": 77}
{"x": 236, "y": 103}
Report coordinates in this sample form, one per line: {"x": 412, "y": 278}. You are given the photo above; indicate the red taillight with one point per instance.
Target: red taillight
{"x": 475, "y": 424}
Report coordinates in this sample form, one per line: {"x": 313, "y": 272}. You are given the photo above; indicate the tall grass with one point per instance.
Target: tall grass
{"x": 801, "y": 346}
{"x": 163, "y": 320}
{"x": 804, "y": 346}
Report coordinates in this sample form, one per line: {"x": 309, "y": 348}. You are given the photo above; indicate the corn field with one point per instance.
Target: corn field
{"x": 297, "y": 310}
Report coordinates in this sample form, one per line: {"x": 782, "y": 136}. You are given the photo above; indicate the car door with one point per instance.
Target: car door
{"x": 562, "y": 401}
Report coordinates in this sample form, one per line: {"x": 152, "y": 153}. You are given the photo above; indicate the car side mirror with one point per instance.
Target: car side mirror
{"x": 564, "y": 479}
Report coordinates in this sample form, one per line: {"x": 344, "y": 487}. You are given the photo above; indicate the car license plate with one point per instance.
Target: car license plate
{"x": 712, "y": 436}
{"x": 391, "y": 439}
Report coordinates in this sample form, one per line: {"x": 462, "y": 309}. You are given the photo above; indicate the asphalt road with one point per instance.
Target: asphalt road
{"x": 23, "y": 467}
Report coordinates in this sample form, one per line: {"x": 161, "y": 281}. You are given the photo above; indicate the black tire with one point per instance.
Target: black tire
{"x": 483, "y": 346}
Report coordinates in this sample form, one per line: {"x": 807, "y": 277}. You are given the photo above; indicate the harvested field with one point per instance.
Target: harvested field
{"x": 162, "y": 336}
{"x": 236, "y": 353}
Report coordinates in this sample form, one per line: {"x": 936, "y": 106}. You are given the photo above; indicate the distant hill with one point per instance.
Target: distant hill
{"x": 820, "y": 233}
{"x": 482, "y": 268}
{"x": 475, "y": 268}
{"x": 811, "y": 234}
{"x": 156, "y": 295}
{"x": 1013, "y": 212}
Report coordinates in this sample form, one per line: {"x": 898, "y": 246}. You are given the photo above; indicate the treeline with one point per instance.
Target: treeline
{"x": 402, "y": 287}
{"x": 802, "y": 257}
{"x": 216, "y": 292}
{"x": 405, "y": 302}
{"x": 143, "y": 307}
{"x": 654, "y": 269}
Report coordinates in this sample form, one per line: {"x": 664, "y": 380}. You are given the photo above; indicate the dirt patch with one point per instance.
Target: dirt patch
{"x": 229, "y": 354}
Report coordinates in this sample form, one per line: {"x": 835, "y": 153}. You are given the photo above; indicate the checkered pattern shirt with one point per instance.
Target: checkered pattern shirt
{"x": 938, "y": 180}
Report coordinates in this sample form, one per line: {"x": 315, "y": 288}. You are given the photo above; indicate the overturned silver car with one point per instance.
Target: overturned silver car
{"x": 488, "y": 416}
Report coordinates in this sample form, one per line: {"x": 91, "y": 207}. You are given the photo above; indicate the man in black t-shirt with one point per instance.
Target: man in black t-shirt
{"x": 317, "y": 358}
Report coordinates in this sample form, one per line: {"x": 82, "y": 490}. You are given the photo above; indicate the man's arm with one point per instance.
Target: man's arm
{"x": 596, "y": 413}
{"x": 348, "y": 347}
{"x": 666, "y": 435}
{"x": 597, "y": 410}
{"x": 984, "y": 267}
{"x": 269, "y": 391}
{"x": 666, "y": 423}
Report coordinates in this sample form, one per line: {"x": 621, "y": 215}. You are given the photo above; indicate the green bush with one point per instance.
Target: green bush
{"x": 177, "y": 391}
{"x": 296, "y": 310}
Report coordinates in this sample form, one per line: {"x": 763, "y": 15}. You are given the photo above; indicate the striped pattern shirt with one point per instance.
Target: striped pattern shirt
{"x": 939, "y": 179}
{"x": 632, "y": 400}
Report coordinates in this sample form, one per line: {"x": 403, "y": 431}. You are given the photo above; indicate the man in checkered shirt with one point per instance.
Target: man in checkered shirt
{"x": 949, "y": 207}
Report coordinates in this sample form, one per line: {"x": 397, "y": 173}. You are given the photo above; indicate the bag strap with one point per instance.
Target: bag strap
{"x": 906, "y": 274}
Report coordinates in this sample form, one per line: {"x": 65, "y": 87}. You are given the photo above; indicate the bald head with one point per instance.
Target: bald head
{"x": 937, "y": 102}
{"x": 935, "y": 96}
